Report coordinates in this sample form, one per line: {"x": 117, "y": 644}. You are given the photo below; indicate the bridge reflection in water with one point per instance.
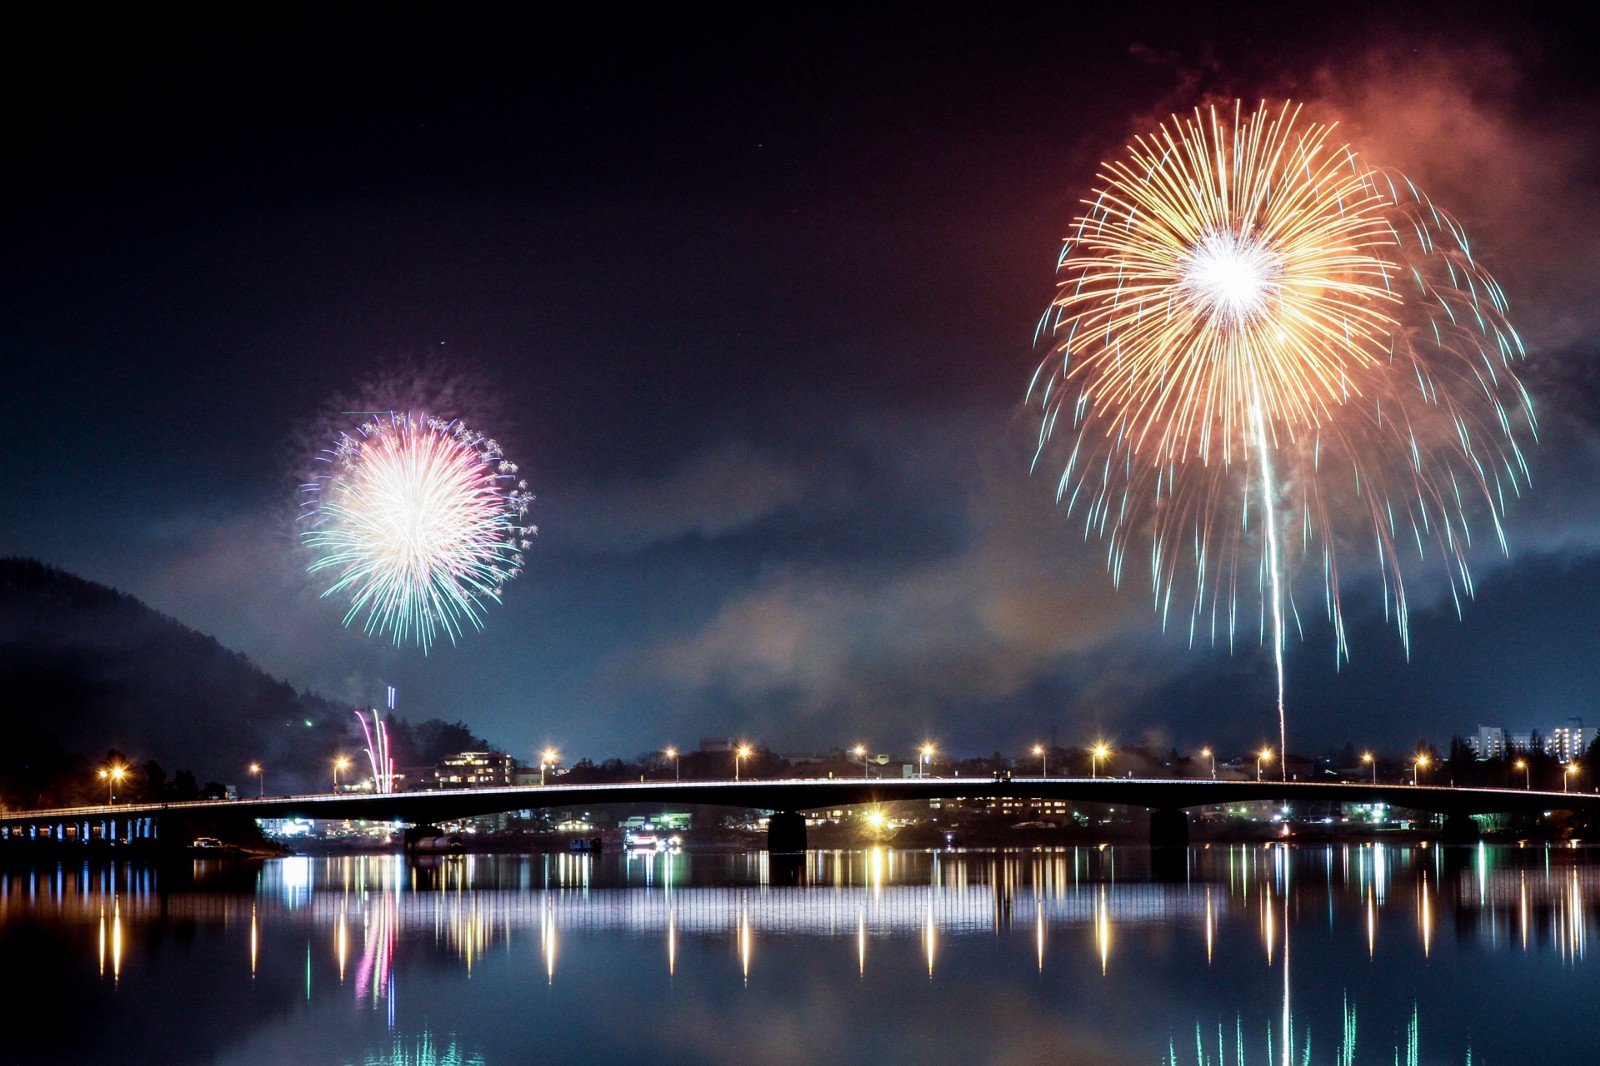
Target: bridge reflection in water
{"x": 1254, "y": 948}
{"x": 360, "y": 908}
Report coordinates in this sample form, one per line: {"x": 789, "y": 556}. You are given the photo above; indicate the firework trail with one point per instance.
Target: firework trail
{"x": 1265, "y": 353}
{"x": 419, "y": 521}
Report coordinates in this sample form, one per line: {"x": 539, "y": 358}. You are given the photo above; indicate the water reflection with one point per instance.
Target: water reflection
{"x": 466, "y": 905}
{"x": 1255, "y": 951}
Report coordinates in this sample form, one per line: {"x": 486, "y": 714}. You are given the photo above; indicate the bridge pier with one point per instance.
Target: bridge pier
{"x": 1169, "y": 828}
{"x": 414, "y": 835}
{"x": 1459, "y": 829}
{"x": 786, "y": 833}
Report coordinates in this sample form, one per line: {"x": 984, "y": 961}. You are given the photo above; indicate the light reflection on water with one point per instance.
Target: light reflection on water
{"x": 1242, "y": 953}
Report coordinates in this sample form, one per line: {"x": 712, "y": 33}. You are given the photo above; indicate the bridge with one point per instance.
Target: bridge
{"x": 1167, "y": 800}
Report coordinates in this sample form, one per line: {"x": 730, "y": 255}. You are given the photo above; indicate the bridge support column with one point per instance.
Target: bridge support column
{"x": 786, "y": 833}
{"x": 1169, "y": 829}
{"x": 416, "y": 834}
{"x": 1459, "y": 829}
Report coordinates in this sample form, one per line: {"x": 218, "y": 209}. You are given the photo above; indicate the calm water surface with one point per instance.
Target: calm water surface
{"x": 1340, "y": 955}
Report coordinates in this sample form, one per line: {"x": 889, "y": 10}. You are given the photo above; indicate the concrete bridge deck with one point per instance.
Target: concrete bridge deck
{"x": 1165, "y": 798}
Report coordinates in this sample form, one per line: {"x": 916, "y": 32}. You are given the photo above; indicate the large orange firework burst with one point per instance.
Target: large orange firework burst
{"x": 1265, "y": 352}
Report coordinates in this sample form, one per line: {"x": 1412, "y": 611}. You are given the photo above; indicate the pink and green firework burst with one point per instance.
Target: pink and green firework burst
{"x": 420, "y": 522}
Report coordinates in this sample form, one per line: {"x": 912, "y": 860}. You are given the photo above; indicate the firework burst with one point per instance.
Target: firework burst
{"x": 419, "y": 521}
{"x": 1265, "y": 354}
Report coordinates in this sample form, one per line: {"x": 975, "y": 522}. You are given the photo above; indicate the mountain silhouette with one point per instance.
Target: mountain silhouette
{"x": 85, "y": 670}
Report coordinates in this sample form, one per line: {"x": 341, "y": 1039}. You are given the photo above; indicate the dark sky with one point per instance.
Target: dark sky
{"x": 751, "y": 296}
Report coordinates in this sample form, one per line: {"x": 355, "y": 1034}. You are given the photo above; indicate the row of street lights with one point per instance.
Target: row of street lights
{"x": 549, "y": 760}
{"x": 341, "y": 763}
{"x": 1098, "y": 752}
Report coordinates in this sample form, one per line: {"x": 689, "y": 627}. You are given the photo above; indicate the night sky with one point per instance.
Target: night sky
{"x": 750, "y": 295}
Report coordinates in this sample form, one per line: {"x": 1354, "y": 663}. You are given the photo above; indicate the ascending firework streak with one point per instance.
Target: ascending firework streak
{"x": 378, "y": 748}
{"x": 1258, "y": 337}
{"x": 420, "y": 520}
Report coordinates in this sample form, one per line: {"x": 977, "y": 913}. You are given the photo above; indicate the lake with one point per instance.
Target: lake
{"x": 1226, "y": 954}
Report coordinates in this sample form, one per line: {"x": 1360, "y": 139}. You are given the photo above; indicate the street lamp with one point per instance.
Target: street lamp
{"x": 1422, "y": 764}
{"x": 1044, "y": 760}
{"x": 1566, "y": 775}
{"x": 677, "y": 767}
{"x": 341, "y": 763}
{"x": 113, "y": 775}
{"x": 1209, "y": 754}
{"x": 741, "y": 752}
{"x": 927, "y": 753}
{"x": 1368, "y": 757}
{"x": 255, "y": 768}
{"x": 1264, "y": 755}
{"x": 547, "y": 761}
{"x": 860, "y": 751}
{"x": 1096, "y": 753}
{"x": 1527, "y": 774}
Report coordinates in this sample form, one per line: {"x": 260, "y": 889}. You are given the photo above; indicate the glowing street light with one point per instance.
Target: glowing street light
{"x": 927, "y": 753}
{"x": 677, "y": 767}
{"x": 1207, "y": 753}
{"x": 1422, "y": 764}
{"x": 255, "y": 768}
{"x": 113, "y": 775}
{"x": 1044, "y": 760}
{"x": 741, "y": 752}
{"x": 860, "y": 751}
{"x": 1372, "y": 760}
{"x": 341, "y": 763}
{"x": 1567, "y": 775}
{"x": 1527, "y": 774}
{"x": 547, "y": 761}
{"x": 1096, "y": 753}
{"x": 1262, "y": 756}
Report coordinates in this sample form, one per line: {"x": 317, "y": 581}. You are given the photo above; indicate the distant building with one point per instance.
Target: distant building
{"x": 1489, "y": 742}
{"x": 1057, "y": 810}
{"x": 1567, "y": 743}
{"x": 664, "y": 820}
{"x": 1564, "y": 742}
{"x": 475, "y": 769}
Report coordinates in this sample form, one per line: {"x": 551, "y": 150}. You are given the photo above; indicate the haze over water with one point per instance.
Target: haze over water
{"x": 1245, "y": 954}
